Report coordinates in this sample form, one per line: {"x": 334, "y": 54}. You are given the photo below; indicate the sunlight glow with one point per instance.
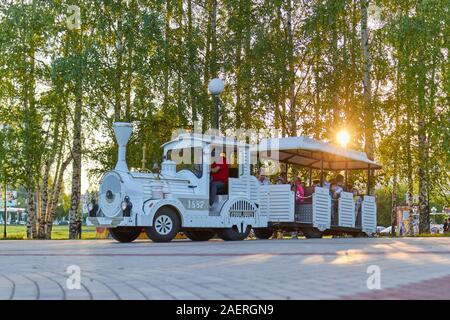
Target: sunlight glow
{"x": 343, "y": 138}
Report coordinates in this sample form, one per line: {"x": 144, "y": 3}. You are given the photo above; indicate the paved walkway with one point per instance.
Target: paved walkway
{"x": 350, "y": 268}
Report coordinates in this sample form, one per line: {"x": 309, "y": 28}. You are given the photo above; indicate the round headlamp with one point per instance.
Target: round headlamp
{"x": 126, "y": 206}
{"x": 109, "y": 196}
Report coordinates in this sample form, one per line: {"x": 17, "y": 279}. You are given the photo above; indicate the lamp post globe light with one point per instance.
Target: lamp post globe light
{"x": 216, "y": 87}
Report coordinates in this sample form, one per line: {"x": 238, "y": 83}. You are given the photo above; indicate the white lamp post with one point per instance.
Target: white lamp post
{"x": 216, "y": 87}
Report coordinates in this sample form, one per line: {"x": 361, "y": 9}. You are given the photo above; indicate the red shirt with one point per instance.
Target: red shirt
{"x": 222, "y": 174}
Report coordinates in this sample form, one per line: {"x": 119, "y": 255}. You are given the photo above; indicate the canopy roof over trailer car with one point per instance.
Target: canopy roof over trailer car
{"x": 307, "y": 152}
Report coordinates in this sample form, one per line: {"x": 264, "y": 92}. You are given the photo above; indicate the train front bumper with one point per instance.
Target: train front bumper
{"x": 102, "y": 221}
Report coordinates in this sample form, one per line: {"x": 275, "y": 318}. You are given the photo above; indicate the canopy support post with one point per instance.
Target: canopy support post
{"x": 346, "y": 174}
{"x": 310, "y": 176}
{"x": 321, "y": 169}
{"x": 369, "y": 182}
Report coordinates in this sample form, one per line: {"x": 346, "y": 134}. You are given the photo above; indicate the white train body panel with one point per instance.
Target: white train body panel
{"x": 277, "y": 202}
{"x": 369, "y": 215}
{"x": 321, "y": 217}
{"x": 346, "y": 210}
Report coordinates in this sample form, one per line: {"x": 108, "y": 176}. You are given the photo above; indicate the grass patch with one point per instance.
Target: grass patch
{"x": 58, "y": 232}
{"x": 429, "y": 235}
{"x": 13, "y": 237}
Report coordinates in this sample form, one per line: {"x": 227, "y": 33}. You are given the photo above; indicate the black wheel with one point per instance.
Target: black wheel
{"x": 312, "y": 234}
{"x": 232, "y": 234}
{"x": 199, "y": 235}
{"x": 125, "y": 234}
{"x": 166, "y": 225}
{"x": 263, "y": 233}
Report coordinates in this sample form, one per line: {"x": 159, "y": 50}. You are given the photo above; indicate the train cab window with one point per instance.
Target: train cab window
{"x": 188, "y": 159}
{"x": 233, "y": 168}
{"x": 231, "y": 158}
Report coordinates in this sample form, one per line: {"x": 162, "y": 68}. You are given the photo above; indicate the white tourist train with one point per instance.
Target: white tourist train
{"x": 177, "y": 198}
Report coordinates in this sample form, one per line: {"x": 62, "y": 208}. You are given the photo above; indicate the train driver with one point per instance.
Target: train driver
{"x": 219, "y": 175}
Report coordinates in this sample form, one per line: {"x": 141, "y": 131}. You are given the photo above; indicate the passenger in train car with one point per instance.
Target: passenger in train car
{"x": 219, "y": 176}
{"x": 326, "y": 183}
{"x": 348, "y": 188}
{"x": 339, "y": 185}
{"x": 298, "y": 188}
{"x": 358, "y": 206}
{"x": 332, "y": 188}
{"x": 309, "y": 191}
{"x": 334, "y": 201}
{"x": 262, "y": 179}
{"x": 282, "y": 179}
{"x": 316, "y": 183}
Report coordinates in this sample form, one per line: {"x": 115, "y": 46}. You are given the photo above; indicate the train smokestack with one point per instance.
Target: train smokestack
{"x": 123, "y": 132}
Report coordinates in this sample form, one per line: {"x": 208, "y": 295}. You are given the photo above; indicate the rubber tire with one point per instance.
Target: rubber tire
{"x": 125, "y": 234}
{"x": 232, "y": 234}
{"x": 312, "y": 234}
{"x": 154, "y": 235}
{"x": 200, "y": 235}
{"x": 263, "y": 233}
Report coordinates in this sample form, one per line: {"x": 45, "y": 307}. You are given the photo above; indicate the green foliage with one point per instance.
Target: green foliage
{"x": 384, "y": 202}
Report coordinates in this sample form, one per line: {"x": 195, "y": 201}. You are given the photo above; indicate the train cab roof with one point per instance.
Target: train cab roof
{"x": 193, "y": 140}
{"x": 308, "y": 152}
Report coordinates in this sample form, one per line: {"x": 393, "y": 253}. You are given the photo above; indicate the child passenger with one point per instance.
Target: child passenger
{"x": 282, "y": 179}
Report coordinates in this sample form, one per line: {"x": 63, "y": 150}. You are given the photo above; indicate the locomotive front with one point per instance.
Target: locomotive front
{"x": 118, "y": 191}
